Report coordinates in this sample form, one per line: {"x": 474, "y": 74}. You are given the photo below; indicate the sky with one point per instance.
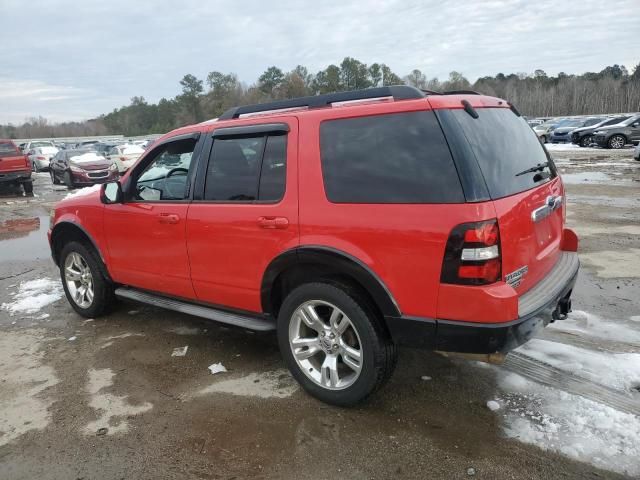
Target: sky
{"x": 69, "y": 60}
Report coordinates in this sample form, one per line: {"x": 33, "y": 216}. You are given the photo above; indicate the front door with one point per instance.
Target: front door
{"x": 246, "y": 213}
{"x": 146, "y": 233}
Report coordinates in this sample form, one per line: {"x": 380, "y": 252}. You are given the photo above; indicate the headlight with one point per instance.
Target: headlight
{"x": 74, "y": 168}
{"x": 113, "y": 167}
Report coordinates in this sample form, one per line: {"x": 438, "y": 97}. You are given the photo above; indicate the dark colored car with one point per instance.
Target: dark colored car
{"x": 15, "y": 167}
{"x": 436, "y": 221}
{"x": 562, "y": 133}
{"x": 584, "y": 136}
{"x": 617, "y": 136}
{"x": 81, "y": 168}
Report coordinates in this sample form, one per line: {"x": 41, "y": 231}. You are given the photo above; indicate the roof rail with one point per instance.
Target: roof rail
{"x": 461, "y": 92}
{"x": 398, "y": 92}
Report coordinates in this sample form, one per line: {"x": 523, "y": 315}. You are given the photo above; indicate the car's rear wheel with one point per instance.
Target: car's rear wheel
{"x": 616, "y": 142}
{"x": 334, "y": 343}
{"x": 35, "y": 167}
{"x": 86, "y": 288}
{"x": 586, "y": 141}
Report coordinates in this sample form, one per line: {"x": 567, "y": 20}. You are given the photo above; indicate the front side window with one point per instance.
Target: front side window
{"x": 393, "y": 158}
{"x": 247, "y": 169}
{"x": 165, "y": 178}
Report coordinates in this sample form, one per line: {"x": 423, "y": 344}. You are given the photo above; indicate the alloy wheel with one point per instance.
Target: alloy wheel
{"x": 325, "y": 345}
{"x": 79, "y": 280}
{"x": 616, "y": 142}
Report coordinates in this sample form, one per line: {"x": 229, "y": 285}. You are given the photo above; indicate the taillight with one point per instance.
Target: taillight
{"x": 123, "y": 158}
{"x": 40, "y": 157}
{"x": 472, "y": 255}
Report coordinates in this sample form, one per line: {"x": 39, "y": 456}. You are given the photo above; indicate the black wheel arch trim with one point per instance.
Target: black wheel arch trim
{"x": 339, "y": 261}
{"x": 67, "y": 223}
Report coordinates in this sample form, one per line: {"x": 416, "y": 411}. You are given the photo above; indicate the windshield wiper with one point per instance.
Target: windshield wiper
{"x": 538, "y": 168}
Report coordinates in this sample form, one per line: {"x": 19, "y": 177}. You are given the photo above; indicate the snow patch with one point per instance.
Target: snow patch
{"x": 493, "y": 405}
{"x": 87, "y": 158}
{"x": 81, "y": 192}
{"x": 587, "y": 324}
{"x": 571, "y": 425}
{"x": 616, "y": 370}
{"x": 33, "y": 295}
{"x": 274, "y": 384}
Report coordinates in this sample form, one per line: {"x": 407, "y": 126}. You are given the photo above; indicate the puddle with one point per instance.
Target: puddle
{"x": 24, "y": 239}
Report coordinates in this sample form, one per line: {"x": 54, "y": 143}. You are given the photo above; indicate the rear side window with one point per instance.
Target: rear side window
{"x": 8, "y": 150}
{"x": 247, "y": 169}
{"x": 394, "y": 158}
{"x": 504, "y": 146}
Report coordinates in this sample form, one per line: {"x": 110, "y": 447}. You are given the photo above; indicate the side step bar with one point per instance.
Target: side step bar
{"x": 244, "y": 321}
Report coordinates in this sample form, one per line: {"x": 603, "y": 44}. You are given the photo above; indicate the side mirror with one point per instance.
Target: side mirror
{"x": 111, "y": 193}
{"x": 635, "y": 124}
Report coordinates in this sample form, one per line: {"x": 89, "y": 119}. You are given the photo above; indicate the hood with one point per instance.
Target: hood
{"x": 90, "y": 161}
{"x": 584, "y": 129}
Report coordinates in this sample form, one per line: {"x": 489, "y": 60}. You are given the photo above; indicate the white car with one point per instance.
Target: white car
{"x": 124, "y": 156}
{"x": 40, "y": 154}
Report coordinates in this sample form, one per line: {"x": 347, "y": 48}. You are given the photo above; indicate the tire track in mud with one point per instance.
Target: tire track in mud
{"x": 551, "y": 376}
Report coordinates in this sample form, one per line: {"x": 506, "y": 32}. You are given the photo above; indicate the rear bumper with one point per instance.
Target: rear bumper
{"x": 549, "y": 300}
{"x": 15, "y": 176}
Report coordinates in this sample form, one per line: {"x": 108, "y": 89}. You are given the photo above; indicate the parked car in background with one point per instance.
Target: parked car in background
{"x": 15, "y": 168}
{"x": 102, "y": 148}
{"x": 25, "y": 147}
{"x": 436, "y": 221}
{"x": 40, "y": 156}
{"x": 125, "y": 156}
{"x": 86, "y": 143}
{"x": 584, "y": 136}
{"x": 81, "y": 168}
{"x": 619, "y": 135}
{"x": 562, "y": 132}
{"x": 636, "y": 154}
{"x": 543, "y": 131}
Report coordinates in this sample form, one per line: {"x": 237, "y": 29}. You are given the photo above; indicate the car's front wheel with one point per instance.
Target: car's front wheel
{"x": 68, "y": 180}
{"x": 86, "y": 288}
{"x": 54, "y": 179}
{"x": 543, "y": 138}
{"x": 616, "y": 142}
{"x": 586, "y": 141}
{"x": 334, "y": 344}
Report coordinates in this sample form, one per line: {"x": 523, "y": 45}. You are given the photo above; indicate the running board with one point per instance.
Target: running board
{"x": 244, "y": 321}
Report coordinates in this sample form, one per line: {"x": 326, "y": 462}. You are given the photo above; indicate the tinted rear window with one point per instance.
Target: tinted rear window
{"x": 503, "y": 145}
{"x": 7, "y": 150}
{"x": 394, "y": 158}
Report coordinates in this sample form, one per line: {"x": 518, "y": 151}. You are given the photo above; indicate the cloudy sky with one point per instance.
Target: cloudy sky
{"x": 71, "y": 60}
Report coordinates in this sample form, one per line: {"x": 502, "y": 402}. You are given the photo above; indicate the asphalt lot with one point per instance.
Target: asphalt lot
{"x": 105, "y": 398}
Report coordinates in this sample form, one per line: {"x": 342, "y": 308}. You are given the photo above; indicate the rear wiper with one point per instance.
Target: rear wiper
{"x": 538, "y": 168}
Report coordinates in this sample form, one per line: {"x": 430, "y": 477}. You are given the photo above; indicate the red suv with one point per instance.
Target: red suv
{"x": 15, "y": 168}
{"x": 350, "y": 223}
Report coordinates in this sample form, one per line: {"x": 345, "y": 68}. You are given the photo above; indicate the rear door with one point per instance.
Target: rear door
{"x": 11, "y": 160}
{"x": 529, "y": 204}
{"x": 246, "y": 212}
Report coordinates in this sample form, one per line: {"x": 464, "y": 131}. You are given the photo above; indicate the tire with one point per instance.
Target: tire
{"x": 364, "y": 335}
{"x": 68, "y": 181}
{"x": 54, "y": 179}
{"x": 586, "y": 141}
{"x": 34, "y": 167}
{"x": 28, "y": 187}
{"x": 616, "y": 142}
{"x": 543, "y": 139}
{"x": 102, "y": 297}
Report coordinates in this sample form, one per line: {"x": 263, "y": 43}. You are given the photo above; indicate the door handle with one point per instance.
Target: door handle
{"x": 168, "y": 218}
{"x": 273, "y": 222}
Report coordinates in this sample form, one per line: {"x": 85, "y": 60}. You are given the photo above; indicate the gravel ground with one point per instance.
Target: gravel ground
{"x": 106, "y": 399}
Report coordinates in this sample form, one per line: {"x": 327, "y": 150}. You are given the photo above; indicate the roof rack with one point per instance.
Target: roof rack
{"x": 461, "y": 92}
{"x": 398, "y": 92}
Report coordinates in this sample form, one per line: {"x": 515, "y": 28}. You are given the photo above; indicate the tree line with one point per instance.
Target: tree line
{"x": 612, "y": 90}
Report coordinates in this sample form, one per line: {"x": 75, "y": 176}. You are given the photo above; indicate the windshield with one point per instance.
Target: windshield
{"x": 41, "y": 144}
{"x": 504, "y": 146}
{"x": 570, "y": 123}
{"x": 631, "y": 120}
{"x": 612, "y": 121}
